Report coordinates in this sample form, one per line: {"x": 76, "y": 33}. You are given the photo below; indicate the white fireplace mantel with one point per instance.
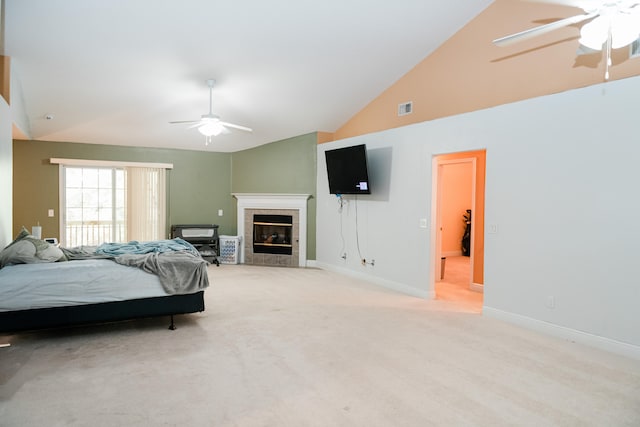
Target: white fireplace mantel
{"x": 275, "y": 201}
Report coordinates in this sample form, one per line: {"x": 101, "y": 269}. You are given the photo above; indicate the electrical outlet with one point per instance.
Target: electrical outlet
{"x": 551, "y": 302}
{"x": 493, "y": 228}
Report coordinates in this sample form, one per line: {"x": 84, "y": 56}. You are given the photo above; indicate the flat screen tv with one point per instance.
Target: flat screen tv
{"x": 347, "y": 170}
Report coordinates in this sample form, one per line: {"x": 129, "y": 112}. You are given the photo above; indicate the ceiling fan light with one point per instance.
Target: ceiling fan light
{"x": 211, "y": 129}
{"x": 594, "y": 34}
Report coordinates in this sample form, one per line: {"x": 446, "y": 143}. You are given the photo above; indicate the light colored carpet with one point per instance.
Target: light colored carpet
{"x": 307, "y": 347}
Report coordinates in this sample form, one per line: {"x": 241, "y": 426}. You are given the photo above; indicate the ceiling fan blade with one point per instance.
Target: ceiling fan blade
{"x": 196, "y": 123}
{"x": 184, "y": 121}
{"x": 231, "y": 125}
{"x": 582, "y": 4}
{"x": 589, "y": 5}
{"x": 543, "y": 29}
{"x": 625, "y": 29}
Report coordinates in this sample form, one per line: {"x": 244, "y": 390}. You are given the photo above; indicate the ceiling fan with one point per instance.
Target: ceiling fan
{"x": 210, "y": 124}
{"x": 614, "y": 24}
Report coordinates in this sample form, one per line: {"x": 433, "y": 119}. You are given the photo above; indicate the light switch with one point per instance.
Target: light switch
{"x": 51, "y": 214}
{"x": 423, "y": 222}
{"x": 220, "y": 212}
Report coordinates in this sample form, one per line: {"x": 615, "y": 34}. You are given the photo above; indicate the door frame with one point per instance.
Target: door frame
{"x": 436, "y": 214}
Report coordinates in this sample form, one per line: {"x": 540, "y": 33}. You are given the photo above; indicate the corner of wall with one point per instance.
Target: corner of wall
{"x": 324, "y": 137}
{"x": 20, "y": 119}
{"x": 5, "y": 78}
{"x": 6, "y": 175}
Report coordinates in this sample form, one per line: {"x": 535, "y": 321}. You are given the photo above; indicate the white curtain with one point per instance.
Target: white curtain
{"x": 146, "y": 204}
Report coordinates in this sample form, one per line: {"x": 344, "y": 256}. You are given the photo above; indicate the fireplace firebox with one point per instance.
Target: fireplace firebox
{"x": 272, "y": 234}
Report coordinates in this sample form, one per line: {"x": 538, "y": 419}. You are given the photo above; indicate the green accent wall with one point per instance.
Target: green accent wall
{"x": 287, "y": 166}
{"x": 199, "y": 183}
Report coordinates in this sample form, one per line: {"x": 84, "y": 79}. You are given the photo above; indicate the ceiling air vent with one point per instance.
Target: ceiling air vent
{"x": 405, "y": 108}
{"x": 635, "y": 49}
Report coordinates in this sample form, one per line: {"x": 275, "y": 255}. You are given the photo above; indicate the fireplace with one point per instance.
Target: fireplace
{"x": 272, "y": 234}
{"x": 273, "y": 229}
{"x": 271, "y": 237}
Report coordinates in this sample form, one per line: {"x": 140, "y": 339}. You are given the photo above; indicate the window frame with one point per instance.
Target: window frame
{"x": 84, "y": 163}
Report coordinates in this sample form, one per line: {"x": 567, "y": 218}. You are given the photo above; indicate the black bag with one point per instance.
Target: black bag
{"x": 466, "y": 237}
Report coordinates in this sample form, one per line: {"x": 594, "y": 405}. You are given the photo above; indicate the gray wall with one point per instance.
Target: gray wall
{"x": 199, "y": 183}
{"x": 287, "y": 166}
{"x": 561, "y": 189}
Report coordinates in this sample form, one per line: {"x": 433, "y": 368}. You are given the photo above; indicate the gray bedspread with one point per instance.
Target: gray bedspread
{"x": 180, "y": 271}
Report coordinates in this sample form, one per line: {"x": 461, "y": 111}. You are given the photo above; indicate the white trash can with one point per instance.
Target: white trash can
{"x": 229, "y": 249}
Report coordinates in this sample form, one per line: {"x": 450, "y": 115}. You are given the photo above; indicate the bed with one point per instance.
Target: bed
{"x": 42, "y": 286}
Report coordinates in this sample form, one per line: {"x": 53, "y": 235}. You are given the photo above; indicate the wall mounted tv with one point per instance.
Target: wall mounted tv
{"x": 347, "y": 170}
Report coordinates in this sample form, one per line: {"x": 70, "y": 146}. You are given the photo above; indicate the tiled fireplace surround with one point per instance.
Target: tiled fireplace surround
{"x": 295, "y": 205}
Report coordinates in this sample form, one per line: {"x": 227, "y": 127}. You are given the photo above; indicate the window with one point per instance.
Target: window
{"x": 108, "y": 202}
{"x": 94, "y": 206}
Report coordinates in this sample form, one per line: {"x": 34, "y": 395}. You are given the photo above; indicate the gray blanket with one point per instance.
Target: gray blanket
{"x": 179, "y": 272}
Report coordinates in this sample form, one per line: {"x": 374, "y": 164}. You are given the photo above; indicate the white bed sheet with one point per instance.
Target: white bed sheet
{"x": 29, "y": 286}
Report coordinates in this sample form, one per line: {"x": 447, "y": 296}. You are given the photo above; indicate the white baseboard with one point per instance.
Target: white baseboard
{"x": 478, "y": 287}
{"x": 602, "y": 343}
{"x": 389, "y": 284}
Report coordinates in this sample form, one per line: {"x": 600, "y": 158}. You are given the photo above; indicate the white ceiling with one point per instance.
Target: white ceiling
{"x": 116, "y": 72}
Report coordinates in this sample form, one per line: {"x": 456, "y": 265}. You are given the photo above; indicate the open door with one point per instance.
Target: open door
{"x": 458, "y": 176}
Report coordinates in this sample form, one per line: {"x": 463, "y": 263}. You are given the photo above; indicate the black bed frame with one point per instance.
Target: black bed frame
{"x": 56, "y": 317}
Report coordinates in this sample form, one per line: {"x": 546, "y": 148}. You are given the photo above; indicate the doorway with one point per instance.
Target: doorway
{"x": 458, "y": 235}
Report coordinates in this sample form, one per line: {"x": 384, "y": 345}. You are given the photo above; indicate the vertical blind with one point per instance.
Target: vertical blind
{"x": 146, "y": 203}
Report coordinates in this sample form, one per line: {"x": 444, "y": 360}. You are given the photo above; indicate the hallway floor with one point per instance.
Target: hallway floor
{"x": 455, "y": 285}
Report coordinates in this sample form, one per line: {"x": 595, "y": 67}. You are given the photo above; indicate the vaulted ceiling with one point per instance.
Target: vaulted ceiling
{"x": 118, "y": 72}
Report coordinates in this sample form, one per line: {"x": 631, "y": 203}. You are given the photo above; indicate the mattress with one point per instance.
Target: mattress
{"x": 31, "y": 286}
